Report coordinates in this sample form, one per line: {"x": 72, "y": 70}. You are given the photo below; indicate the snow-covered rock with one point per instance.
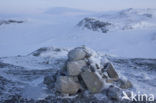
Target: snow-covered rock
{"x": 66, "y": 85}
{"x": 77, "y": 54}
{"x": 114, "y": 93}
{"x": 93, "y": 82}
{"x": 50, "y": 52}
{"x": 111, "y": 71}
{"x": 74, "y": 68}
{"x": 125, "y": 84}
{"x": 87, "y": 70}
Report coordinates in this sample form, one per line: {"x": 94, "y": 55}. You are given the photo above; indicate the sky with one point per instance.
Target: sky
{"x": 37, "y": 6}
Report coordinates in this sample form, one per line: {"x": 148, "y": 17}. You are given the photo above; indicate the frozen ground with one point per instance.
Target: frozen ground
{"x": 23, "y": 75}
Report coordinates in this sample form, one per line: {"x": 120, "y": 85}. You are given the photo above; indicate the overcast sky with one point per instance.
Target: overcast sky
{"x": 36, "y": 6}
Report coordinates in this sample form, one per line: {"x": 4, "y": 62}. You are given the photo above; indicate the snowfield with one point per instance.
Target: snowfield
{"x": 131, "y": 33}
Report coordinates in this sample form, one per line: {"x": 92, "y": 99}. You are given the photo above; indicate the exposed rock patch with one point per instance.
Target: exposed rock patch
{"x": 95, "y": 25}
{"x": 10, "y": 21}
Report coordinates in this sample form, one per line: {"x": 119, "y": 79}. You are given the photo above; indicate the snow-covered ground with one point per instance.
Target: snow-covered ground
{"x": 132, "y": 33}
{"x": 129, "y": 43}
{"x": 23, "y": 75}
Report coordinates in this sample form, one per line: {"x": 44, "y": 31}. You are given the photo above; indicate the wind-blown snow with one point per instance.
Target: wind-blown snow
{"x": 24, "y": 75}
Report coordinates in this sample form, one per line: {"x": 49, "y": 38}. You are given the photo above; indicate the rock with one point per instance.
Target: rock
{"x": 110, "y": 80}
{"x": 2, "y": 65}
{"x": 92, "y": 81}
{"x": 104, "y": 76}
{"x": 77, "y": 54}
{"x": 75, "y": 67}
{"x": 125, "y": 84}
{"x": 49, "y": 81}
{"x": 95, "y": 24}
{"x": 48, "y": 51}
{"x": 67, "y": 85}
{"x": 75, "y": 78}
{"x": 113, "y": 93}
{"x": 10, "y": 21}
{"x": 103, "y": 70}
{"x": 111, "y": 71}
{"x": 92, "y": 69}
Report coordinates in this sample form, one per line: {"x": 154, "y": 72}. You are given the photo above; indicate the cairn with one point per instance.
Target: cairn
{"x": 85, "y": 70}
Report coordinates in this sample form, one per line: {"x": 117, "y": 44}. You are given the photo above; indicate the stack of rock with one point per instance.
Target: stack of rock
{"x": 85, "y": 70}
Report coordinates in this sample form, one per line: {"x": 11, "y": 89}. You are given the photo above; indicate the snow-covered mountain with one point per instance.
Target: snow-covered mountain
{"x": 121, "y": 20}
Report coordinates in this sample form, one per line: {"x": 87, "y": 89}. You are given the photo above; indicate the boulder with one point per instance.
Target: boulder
{"x": 75, "y": 78}
{"x": 50, "y": 81}
{"x": 77, "y": 54}
{"x": 67, "y": 85}
{"x": 111, "y": 71}
{"x": 125, "y": 84}
{"x": 110, "y": 80}
{"x": 75, "y": 67}
{"x": 92, "y": 81}
{"x": 113, "y": 93}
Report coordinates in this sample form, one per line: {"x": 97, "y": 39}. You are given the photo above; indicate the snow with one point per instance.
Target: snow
{"x": 139, "y": 71}
{"x": 48, "y": 29}
{"x": 132, "y": 35}
{"x": 28, "y": 72}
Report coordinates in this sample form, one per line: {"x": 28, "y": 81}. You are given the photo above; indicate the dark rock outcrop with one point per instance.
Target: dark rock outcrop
{"x": 95, "y": 25}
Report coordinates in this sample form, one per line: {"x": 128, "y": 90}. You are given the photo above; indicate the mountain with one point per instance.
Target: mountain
{"x": 120, "y": 20}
